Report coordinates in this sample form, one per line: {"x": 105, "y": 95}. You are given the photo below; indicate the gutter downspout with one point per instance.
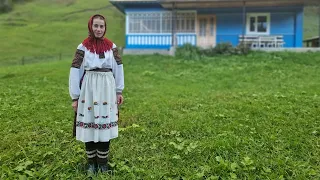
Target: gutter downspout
{"x": 243, "y": 44}
{"x": 319, "y": 22}
{"x": 173, "y": 25}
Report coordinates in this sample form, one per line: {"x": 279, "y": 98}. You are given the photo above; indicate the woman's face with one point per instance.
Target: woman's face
{"x": 98, "y": 27}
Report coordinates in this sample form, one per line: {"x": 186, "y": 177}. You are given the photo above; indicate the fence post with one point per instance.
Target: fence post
{"x": 121, "y": 50}
{"x": 22, "y": 60}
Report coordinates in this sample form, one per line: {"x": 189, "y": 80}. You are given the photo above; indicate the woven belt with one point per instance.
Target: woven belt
{"x": 101, "y": 70}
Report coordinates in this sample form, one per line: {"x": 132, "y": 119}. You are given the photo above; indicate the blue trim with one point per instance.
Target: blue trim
{"x": 299, "y": 29}
{"x": 147, "y": 47}
{"x": 161, "y": 41}
{"x": 161, "y": 34}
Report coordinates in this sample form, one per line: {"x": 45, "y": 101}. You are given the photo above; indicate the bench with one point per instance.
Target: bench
{"x": 262, "y": 41}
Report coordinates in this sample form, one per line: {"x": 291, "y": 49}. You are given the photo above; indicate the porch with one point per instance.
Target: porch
{"x": 162, "y": 29}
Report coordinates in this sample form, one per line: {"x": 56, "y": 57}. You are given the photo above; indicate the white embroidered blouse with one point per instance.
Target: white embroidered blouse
{"x": 86, "y": 60}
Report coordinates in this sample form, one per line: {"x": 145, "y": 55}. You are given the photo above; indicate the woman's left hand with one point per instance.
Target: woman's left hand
{"x": 119, "y": 99}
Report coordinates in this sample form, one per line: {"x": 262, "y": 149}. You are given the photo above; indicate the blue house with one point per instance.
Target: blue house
{"x": 161, "y": 24}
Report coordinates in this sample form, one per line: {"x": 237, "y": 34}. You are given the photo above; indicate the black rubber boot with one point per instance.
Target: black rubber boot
{"x": 91, "y": 169}
{"x": 103, "y": 168}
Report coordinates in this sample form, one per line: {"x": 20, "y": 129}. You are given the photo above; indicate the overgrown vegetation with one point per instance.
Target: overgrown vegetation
{"x": 7, "y": 5}
{"x": 191, "y": 52}
{"x": 188, "y": 51}
{"x": 311, "y": 22}
{"x": 230, "y": 117}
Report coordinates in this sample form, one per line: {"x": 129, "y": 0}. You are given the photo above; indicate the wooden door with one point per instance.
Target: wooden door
{"x": 206, "y": 31}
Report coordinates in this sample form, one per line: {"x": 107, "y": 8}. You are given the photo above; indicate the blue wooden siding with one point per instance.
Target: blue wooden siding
{"x": 299, "y": 29}
{"x": 229, "y": 27}
{"x": 283, "y": 24}
{"x": 162, "y": 41}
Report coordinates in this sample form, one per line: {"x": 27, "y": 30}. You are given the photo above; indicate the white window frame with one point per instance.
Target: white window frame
{"x": 161, "y": 14}
{"x": 249, "y": 15}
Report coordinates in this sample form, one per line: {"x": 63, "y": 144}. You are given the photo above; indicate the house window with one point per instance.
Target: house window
{"x": 166, "y": 22}
{"x": 160, "y": 22}
{"x": 185, "y": 22}
{"x": 203, "y": 27}
{"x": 144, "y": 23}
{"x": 212, "y": 26}
{"x": 258, "y": 23}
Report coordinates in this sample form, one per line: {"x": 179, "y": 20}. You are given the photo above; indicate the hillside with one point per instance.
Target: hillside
{"x": 311, "y": 22}
{"x": 43, "y": 28}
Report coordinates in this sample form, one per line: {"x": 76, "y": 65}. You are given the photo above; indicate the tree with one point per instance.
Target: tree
{"x": 5, "y": 6}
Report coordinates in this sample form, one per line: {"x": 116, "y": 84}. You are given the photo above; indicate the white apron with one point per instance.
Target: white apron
{"x": 97, "y": 114}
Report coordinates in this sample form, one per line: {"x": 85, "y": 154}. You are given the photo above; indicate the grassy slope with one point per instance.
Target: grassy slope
{"x": 46, "y": 28}
{"x": 311, "y": 22}
{"x": 254, "y": 117}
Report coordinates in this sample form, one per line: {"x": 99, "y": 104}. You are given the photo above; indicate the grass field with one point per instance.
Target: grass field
{"x": 232, "y": 117}
{"x": 311, "y": 22}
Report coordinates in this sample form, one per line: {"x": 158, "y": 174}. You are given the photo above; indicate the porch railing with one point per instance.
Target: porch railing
{"x": 262, "y": 41}
{"x": 158, "y": 40}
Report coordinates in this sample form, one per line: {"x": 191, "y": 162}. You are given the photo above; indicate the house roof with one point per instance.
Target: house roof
{"x": 201, "y": 1}
{"x": 133, "y": 0}
{"x": 312, "y": 38}
{"x": 123, "y": 4}
{"x": 187, "y": 4}
{"x": 232, "y": 3}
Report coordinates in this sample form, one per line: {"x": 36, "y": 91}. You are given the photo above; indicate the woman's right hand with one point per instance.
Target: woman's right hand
{"x": 75, "y": 106}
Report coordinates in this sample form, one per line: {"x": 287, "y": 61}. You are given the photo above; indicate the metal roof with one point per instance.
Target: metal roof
{"x": 187, "y": 4}
{"x": 130, "y": 1}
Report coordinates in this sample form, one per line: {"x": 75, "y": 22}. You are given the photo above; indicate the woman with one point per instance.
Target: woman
{"x": 96, "y": 82}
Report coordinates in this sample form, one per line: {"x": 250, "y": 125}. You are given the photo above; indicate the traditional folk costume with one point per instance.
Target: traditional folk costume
{"x": 96, "y": 76}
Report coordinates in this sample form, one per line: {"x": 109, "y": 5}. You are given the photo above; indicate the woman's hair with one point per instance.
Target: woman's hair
{"x": 98, "y": 16}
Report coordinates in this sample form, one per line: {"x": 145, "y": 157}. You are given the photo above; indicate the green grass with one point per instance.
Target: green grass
{"x": 311, "y": 21}
{"x": 245, "y": 117}
{"x": 48, "y": 28}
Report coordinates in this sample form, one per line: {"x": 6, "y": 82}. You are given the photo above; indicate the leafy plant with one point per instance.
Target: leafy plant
{"x": 188, "y": 52}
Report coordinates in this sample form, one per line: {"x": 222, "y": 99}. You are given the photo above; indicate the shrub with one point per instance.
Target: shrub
{"x": 189, "y": 52}
{"x": 243, "y": 48}
{"x": 5, "y": 6}
{"x": 224, "y": 48}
